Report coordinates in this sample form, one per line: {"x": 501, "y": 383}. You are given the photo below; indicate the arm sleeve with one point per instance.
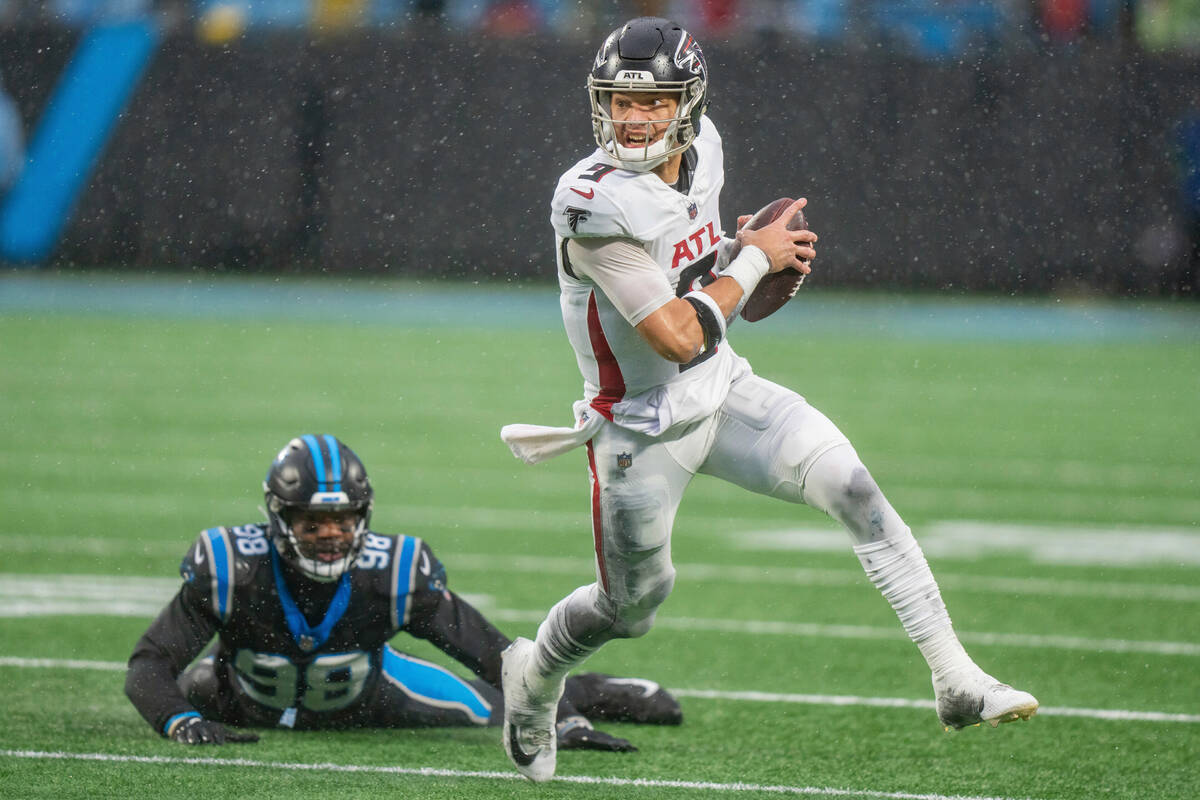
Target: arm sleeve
{"x": 625, "y": 272}
{"x": 177, "y": 636}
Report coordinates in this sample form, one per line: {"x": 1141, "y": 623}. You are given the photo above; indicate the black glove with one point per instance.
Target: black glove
{"x": 576, "y": 733}
{"x": 195, "y": 730}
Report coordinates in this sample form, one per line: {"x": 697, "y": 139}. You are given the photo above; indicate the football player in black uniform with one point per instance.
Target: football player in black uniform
{"x": 303, "y": 608}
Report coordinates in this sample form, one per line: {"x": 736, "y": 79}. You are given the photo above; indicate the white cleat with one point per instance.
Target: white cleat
{"x": 529, "y": 736}
{"x": 971, "y": 698}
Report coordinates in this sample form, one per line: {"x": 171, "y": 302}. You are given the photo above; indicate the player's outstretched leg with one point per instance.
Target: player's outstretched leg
{"x": 841, "y": 486}
{"x": 530, "y": 709}
{"x": 612, "y": 699}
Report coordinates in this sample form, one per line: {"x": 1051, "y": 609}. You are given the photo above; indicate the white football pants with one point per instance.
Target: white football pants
{"x": 765, "y": 438}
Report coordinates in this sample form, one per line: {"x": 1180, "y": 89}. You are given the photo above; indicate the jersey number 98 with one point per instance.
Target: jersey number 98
{"x": 330, "y": 681}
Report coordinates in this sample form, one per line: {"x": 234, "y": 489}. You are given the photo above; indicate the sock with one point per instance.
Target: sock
{"x": 557, "y": 651}
{"x": 899, "y": 570}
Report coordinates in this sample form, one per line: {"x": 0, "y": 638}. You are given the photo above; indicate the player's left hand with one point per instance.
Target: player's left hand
{"x": 576, "y": 733}
{"x": 195, "y": 730}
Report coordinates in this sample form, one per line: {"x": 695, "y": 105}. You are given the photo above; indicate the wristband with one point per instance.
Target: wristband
{"x": 748, "y": 268}
{"x": 176, "y": 720}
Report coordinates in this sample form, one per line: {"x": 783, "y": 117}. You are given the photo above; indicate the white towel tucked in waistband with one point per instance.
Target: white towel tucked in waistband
{"x": 534, "y": 443}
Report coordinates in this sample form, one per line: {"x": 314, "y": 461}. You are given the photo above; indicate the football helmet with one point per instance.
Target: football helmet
{"x": 649, "y": 54}
{"x": 317, "y": 474}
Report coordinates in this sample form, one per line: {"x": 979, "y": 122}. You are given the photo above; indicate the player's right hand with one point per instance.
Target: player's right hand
{"x": 784, "y": 248}
{"x": 576, "y": 733}
{"x": 196, "y": 730}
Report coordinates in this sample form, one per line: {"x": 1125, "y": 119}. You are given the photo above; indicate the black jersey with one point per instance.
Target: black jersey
{"x": 299, "y": 652}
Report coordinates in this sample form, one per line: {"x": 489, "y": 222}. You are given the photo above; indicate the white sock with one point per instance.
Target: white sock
{"x": 899, "y": 570}
{"x": 557, "y": 651}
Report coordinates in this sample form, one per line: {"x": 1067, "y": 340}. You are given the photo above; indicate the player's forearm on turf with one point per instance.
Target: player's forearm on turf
{"x": 150, "y": 686}
{"x": 172, "y": 641}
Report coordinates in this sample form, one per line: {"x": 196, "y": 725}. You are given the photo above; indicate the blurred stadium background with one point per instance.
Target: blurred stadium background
{"x": 226, "y": 223}
{"x": 1000, "y": 145}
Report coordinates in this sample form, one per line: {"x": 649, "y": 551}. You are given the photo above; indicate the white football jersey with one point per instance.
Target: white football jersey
{"x": 625, "y": 380}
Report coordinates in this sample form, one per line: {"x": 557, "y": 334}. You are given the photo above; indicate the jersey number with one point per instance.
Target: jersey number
{"x": 251, "y": 541}
{"x": 326, "y": 683}
{"x": 696, "y": 276}
{"x": 375, "y": 553}
{"x": 597, "y": 171}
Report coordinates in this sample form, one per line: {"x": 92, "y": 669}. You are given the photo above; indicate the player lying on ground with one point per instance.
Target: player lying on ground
{"x": 303, "y": 607}
{"x": 649, "y": 289}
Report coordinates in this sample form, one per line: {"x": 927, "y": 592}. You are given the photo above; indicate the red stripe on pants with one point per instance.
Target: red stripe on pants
{"x": 612, "y": 382}
{"x": 597, "y": 519}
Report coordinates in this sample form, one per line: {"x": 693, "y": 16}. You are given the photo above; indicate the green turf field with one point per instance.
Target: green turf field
{"x": 1046, "y": 453}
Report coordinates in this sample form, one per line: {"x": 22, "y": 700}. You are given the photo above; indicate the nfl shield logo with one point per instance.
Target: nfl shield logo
{"x": 306, "y": 643}
{"x": 692, "y": 210}
{"x": 624, "y": 460}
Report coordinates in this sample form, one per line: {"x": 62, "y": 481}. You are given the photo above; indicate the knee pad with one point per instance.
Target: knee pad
{"x": 635, "y": 616}
{"x": 843, "y": 488}
{"x": 200, "y": 686}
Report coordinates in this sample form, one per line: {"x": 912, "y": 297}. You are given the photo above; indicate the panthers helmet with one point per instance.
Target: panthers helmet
{"x": 649, "y": 54}
{"x": 316, "y": 473}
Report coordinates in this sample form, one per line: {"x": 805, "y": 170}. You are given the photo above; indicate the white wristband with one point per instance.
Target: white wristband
{"x": 748, "y": 268}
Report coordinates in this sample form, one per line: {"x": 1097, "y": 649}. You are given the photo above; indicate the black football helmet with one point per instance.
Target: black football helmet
{"x": 649, "y": 54}
{"x": 317, "y": 473}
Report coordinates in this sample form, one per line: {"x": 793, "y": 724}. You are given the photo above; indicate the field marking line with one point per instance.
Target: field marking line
{"x": 440, "y": 772}
{"x": 807, "y": 576}
{"x": 816, "y": 630}
{"x": 84, "y": 595}
{"x": 62, "y": 663}
{"x": 899, "y": 702}
{"x": 129, "y": 588}
{"x": 1115, "y": 714}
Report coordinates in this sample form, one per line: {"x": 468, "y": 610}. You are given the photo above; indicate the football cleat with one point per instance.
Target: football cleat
{"x": 966, "y": 699}
{"x": 638, "y": 700}
{"x": 529, "y": 735}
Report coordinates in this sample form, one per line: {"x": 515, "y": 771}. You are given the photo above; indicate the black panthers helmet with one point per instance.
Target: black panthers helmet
{"x": 649, "y": 54}
{"x": 316, "y": 473}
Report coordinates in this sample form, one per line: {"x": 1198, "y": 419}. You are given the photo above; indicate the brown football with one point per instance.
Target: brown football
{"x": 776, "y": 288}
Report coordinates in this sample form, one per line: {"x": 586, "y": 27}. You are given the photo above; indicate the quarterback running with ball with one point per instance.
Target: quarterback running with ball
{"x": 648, "y": 290}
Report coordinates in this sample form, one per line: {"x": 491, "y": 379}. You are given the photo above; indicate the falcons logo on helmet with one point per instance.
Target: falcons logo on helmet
{"x": 689, "y": 56}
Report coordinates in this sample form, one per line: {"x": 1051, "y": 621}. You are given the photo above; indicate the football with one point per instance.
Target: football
{"x": 776, "y": 288}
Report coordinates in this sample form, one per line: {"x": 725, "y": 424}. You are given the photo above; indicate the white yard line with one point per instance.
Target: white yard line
{"x": 775, "y": 628}
{"x": 84, "y": 595}
{"x": 899, "y": 702}
{"x": 17, "y": 585}
{"x": 802, "y": 576}
{"x": 737, "y": 696}
{"x": 437, "y": 772}
{"x": 1042, "y": 543}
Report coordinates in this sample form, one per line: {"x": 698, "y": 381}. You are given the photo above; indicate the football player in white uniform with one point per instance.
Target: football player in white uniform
{"x": 647, "y": 293}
